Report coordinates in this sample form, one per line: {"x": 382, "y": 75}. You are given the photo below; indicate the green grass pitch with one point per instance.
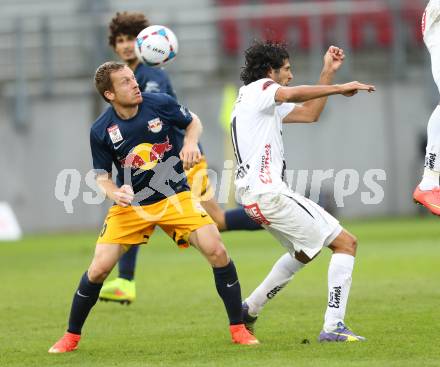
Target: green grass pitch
{"x": 178, "y": 319}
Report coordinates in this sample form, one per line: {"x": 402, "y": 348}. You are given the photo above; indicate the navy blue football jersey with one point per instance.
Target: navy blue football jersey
{"x": 144, "y": 148}
{"x": 156, "y": 80}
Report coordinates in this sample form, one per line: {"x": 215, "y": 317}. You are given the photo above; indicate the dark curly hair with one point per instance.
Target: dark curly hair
{"x": 260, "y": 58}
{"x": 126, "y": 23}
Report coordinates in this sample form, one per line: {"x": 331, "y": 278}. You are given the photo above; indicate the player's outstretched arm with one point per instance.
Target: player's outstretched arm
{"x": 304, "y": 93}
{"x": 190, "y": 153}
{"x": 122, "y": 196}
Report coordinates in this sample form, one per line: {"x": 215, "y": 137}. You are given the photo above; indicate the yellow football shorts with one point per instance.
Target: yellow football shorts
{"x": 198, "y": 181}
{"x": 177, "y": 215}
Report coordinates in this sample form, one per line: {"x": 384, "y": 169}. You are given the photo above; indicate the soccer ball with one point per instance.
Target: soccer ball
{"x": 156, "y": 45}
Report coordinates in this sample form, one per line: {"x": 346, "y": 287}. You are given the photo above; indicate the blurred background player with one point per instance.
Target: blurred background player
{"x": 427, "y": 192}
{"x": 156, "y": 186}
{"x": 264, "y": 103}
{"x": 123, "y": 29}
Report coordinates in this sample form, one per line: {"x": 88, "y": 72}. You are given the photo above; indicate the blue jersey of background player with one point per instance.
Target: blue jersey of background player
{"x": 153, "y": 80}
{"x": 143, "y": 145}
{"x": 123, "y": 29}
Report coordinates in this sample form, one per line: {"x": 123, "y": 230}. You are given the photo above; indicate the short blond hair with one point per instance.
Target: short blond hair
{"x": 103, "y": 81}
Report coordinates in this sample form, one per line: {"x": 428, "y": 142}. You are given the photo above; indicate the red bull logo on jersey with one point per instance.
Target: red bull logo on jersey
{"x": 145, "y": 156}
{"x": 158, "y": 150}
{"x": 155, "y": 125}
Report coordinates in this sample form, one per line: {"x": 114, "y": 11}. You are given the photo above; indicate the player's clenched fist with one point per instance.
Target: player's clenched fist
{"x": 124, "y": 196}
{"x": 190, "y": 155}
{"x": 333, "y": 58}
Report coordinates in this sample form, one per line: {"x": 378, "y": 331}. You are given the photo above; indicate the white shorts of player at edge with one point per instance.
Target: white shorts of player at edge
{"x": 297, "y": 222}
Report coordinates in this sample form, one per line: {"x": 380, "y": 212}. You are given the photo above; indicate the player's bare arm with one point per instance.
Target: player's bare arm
{"x": 122, "y": 196}
{"x": 304, "y": 93}
{"x": 190, "y": 153}
{"x": 310, "y": 111}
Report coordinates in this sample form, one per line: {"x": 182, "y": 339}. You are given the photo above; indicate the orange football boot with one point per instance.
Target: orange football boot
{"x": 240, "y": 335}
{"x": 430, "y": 199}
{"x": 68, "y": 343}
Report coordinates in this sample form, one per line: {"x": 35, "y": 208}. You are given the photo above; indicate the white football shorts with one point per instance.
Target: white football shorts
{"x": 297, "y": 222}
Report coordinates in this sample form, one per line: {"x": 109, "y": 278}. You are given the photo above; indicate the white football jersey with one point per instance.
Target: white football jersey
{"x": 256, "y": 130}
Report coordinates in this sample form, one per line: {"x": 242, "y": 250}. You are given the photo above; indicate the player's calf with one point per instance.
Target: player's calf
{"x": 207, "y": 240}
{"x": 339, "y": 283}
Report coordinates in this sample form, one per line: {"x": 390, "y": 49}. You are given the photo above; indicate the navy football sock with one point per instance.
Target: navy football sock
{"x": 84, "y": 299}
{"x": 127, "y": 263}
{"x": 237, "y": 219}
{"x": 228, "y": 287}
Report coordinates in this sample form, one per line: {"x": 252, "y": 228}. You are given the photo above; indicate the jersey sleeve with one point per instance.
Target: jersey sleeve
{"x": 284, "y": 109}
{"x": 170, "y": 110}
{"x": 101, "y": 154}
{"x": 265, "y": 90}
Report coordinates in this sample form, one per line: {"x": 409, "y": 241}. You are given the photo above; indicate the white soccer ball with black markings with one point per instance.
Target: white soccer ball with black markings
{"x": 156, "y": 45}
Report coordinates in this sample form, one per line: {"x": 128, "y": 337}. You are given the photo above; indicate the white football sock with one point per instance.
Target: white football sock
{"x": 339, "y": 283}
{"x": 281, "y": 274}
{"x": 430, "y": 179}
{"x": 432, "y": 158}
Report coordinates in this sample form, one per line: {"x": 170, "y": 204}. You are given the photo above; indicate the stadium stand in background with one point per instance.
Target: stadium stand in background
{"x": 56, "y": 33}
{"x": 366, "y": 29}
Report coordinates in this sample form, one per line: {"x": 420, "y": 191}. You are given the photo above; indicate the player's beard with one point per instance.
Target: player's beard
{"x": 133, "y": 104}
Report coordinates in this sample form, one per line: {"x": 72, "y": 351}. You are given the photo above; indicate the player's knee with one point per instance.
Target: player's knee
{"x": 218, "y": 256}
{"x": 351, "y": 245}
{"x": 345, "y": 243}
{"x": 97, "y": 274}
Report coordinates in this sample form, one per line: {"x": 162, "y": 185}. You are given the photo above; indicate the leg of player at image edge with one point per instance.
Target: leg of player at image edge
{"x": 427, "y": 193}
{"x": 339, "y": 282}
